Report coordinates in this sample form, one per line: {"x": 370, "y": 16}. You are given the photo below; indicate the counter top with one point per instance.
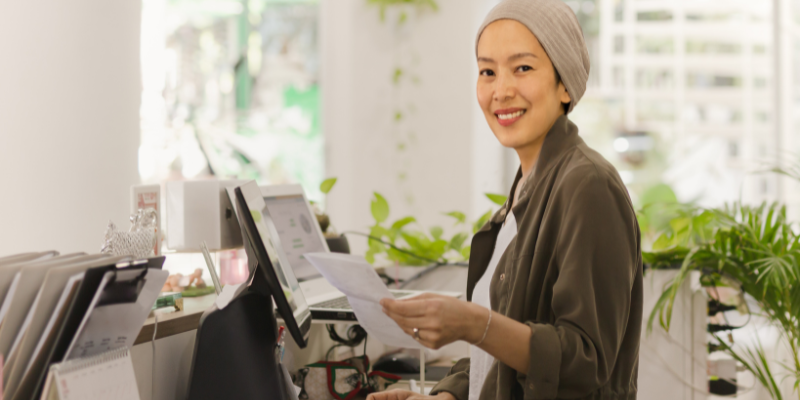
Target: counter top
{"x": 171, "y": 322}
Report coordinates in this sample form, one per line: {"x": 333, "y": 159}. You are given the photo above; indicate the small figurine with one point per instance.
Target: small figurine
{"x": 179, "y": 282}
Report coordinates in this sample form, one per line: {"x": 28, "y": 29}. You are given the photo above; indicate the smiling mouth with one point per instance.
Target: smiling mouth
{"x": 508, "y": 117}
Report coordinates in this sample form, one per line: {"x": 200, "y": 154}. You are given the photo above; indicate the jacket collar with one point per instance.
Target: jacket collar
{"x": 561, "y": 137}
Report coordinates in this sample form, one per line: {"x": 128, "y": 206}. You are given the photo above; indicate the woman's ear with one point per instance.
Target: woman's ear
{"x": 565, "y": 98}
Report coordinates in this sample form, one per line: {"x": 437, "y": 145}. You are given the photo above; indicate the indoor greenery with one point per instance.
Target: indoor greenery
{"x": 322, "y": 215}
{"x": 752, "y": 249}
{"x": 404, "y": 242}
{"x": 385, "y": 4}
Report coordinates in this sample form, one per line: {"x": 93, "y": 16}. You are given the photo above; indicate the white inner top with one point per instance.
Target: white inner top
{"x": 481, "y": 361}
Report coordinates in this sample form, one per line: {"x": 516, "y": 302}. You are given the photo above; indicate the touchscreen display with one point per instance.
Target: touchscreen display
{"x": 266, "y": 230}
{"x": 298, "y": 231}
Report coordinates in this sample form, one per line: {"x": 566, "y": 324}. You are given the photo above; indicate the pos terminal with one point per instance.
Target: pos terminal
{"x": 235, "y": 348}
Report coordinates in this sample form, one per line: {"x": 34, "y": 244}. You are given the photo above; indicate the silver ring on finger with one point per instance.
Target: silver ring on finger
{"x": 416, "y": 333}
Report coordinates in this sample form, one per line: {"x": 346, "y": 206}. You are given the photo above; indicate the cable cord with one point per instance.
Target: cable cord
{"x": 355, "y": 335}
{"x": 153, "y": 377}
{"x": 419, "y": 275}
{"x": 749, "y": 313}
{"x": 436, "y": 264}
{"x": 404, "y": 251}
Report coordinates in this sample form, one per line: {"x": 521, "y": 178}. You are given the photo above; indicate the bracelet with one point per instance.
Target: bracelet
{"x": 486, "y": 331}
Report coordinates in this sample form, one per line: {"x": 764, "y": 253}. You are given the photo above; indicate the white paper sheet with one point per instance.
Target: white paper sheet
{"x": 9, "y": 295}
{"x": 69, "y": 288}
{"x": 113, "y": 326}
{"x": 357, "y": 279}
{"x": 24, "y": 328}
{"x": 228, "y": 293}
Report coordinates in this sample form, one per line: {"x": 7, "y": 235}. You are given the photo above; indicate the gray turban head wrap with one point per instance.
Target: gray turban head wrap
{"x": 556, "y": 27}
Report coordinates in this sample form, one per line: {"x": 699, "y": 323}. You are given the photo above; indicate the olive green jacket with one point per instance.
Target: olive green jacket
{"x": 573, "y": 274}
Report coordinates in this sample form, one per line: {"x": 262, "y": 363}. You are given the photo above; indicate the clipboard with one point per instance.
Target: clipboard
{"x": 79, "y": 307}
{"x": 119, "y": 307}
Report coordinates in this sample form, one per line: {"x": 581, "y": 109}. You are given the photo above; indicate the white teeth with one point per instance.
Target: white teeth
{"x": 511, "y": 116}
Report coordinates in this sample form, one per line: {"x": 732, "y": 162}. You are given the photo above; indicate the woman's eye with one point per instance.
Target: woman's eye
{"x": 487, "y": 72}
{"x": 524, "y": 68}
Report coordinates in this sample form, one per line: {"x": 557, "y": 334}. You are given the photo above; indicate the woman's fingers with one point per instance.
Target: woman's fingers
{"x": 407, "y": 308}
{"x": 396, "y": 394}
{"x": 439, "y": 319}
{"x": 426, "y": 322}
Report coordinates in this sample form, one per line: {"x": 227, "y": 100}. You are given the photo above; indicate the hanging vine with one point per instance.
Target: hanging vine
{"x": 385, "y": 4}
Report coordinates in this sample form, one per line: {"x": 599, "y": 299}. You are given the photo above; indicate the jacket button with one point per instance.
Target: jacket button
{"x": 502, "y": 277}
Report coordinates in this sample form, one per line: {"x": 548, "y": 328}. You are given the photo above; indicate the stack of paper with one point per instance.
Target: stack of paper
{"x": 50, "y": 301}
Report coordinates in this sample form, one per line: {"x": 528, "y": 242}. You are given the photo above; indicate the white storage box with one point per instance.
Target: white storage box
{"x": 200, "y": 211}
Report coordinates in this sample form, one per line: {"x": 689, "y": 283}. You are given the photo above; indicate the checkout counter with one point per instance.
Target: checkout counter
{"x": 167, "y": 377}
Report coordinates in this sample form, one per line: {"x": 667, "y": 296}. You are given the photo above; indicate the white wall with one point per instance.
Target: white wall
{"x": 69, "y": 121}
{"x": 455, "y": 157}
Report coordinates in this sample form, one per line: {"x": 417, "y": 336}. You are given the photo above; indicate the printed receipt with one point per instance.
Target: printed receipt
{"x": 364, "y": 289}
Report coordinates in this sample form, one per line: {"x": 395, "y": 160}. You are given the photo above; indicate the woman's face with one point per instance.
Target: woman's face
{"x": 517, "y": 87}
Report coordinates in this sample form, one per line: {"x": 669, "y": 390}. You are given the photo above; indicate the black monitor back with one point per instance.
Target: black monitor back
{"x": 234, "y": 355}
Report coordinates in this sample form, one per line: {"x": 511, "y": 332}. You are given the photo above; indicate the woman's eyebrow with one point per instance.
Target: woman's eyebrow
{"x": 521, "y": 55}
{"x": 510, "y": 58}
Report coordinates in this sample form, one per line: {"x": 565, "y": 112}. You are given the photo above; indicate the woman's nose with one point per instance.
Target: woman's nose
{"x": 505, "y": 88}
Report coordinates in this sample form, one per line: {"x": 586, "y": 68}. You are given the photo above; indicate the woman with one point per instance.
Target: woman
{"x": 555, "y": 277}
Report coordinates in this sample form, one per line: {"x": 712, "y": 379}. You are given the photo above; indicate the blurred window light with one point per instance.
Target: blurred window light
{"x": 621, "y": 145}
{"x": 619, "y": 44}
{"x": 761, "y": 116}
{"x": 733, "y": 149}
{"x": 698, "y": 78}
{"x": 711, "y": 113}
{"x": 619, "y": 10}
{"x": 655, "y": 45}
{"x": 230, "y": 88}
{"x": 619, "y": 77}
{"x": 654, "y": 78}
{"x": 657, "y": 16}
{"x": 627, "y": 177}
{"x": 633, "y": 143}
{"x": 712, "y": 47}
{"x": 587, "y": 6}
{"x": 711, "y": 80}
{"x": 720, "y": 114}
{"x": 715, "y": 16}
{"x": 655, "y": 110}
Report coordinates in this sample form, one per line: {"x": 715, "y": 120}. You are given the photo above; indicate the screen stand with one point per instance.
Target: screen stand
{"x": 235, "y": 350}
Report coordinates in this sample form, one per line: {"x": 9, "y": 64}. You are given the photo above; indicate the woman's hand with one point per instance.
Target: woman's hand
{"x": 440, "y": 319}
{"x": 407, "y": 395}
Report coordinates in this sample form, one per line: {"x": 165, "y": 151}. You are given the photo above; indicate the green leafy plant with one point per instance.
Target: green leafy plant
{"x": 404, "y": 245}
{"x": 405, "y": 242}
{"x": 383, "y": 5}
{"x": 322, "y": 216}
{"x": 326, "y": 186}
{"x": 416, "y": 247}
{"x": 498, "y": 199}
{"x": 404, "y": 73}
{"x": 752, "y": 249}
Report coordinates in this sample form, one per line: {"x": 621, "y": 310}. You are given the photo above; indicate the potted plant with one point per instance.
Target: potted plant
{"x": 754, "y": 250}
{"x": 337, "y": 243}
